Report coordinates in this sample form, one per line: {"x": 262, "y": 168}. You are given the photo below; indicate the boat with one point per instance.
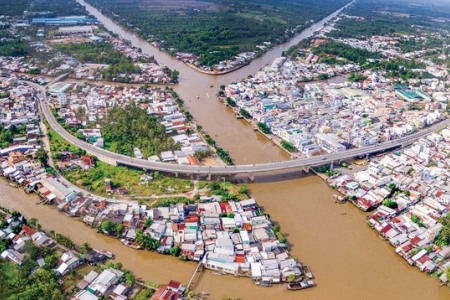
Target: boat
{"x": 307, "y": 271}
{"x": 255, "y": 128}
{"x": 296, "y": 286}
{"x": 238, "y": 116}
{"x": 263, "y": 283}
{"x": 204, "y": 293}
{"x": 131, "y": 244}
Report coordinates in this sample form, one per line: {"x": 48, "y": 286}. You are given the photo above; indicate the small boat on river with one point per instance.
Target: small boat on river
{"x": 263, "y": 283}
{"x": 131, "y": 244}
{"x": 307, "y": 271}
{"x": 296, "y": 286}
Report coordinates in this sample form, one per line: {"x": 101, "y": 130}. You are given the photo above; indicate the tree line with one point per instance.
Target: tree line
{"x": 218, "y": 33}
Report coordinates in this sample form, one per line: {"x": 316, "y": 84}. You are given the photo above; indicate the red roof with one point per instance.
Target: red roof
{"x": 386, "y": 229}
{"x": 423, "y": 259}
{"x": 174, "y": 285}
{"x": 28, "y": 230}
{"x": 240, "y": 258}
{"x": 415, "y": 240}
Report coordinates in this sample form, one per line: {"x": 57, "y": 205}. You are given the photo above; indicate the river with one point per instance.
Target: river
{"x": 346, "y": 256}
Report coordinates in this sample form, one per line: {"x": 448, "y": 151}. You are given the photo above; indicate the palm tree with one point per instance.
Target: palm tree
{"x": 85, "y": 248}
{"x": 52, "y": 233}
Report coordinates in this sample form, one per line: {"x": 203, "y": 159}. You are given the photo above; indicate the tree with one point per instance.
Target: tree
{"x": 85, "y": 248}
{"x": 175, "y": 251}
{"x": 392, "y": 186}
{"x": 243, "y": 189}
{"x": 106, "y": 226}
{"x": 390, "y": 203}
{"x": 119, "y": 229}
{"x": 32, "y": 222}
{"x": 130, "y": 279}
{"x": 406, "y": 193}
{"x": 148, "y": 222}
{"x": 323, "y": 76}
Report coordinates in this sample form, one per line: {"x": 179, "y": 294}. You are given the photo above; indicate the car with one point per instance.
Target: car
{"x": 324, "y": 158}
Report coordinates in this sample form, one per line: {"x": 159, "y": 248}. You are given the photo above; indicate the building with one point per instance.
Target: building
{"x": 87, "y": 30}
{"x": 329, "y": 142}
{"x": 62, "y": 21}
{"x": 105, "y": 281}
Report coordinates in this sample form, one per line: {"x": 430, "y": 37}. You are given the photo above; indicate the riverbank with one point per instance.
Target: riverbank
{"x": 318, "y": 230}
{"x": 192, "y": 66}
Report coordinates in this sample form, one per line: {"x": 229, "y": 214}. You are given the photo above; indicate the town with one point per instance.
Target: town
{"x": 328, "y": 94}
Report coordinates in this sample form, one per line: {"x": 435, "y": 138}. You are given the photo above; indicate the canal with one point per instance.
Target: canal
{"x": 346, "y": 256}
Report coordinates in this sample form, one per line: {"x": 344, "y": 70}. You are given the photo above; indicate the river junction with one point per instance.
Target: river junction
{"x": 347, "y": 257}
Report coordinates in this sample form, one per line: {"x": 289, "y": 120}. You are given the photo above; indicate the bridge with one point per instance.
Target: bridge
{"x": 250, "y": 169}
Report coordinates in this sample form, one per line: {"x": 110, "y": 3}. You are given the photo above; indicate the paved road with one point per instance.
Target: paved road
{"x": 115, "y": 158}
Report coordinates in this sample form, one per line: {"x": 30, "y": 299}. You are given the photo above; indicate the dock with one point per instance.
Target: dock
{"x": 200, "y": 263}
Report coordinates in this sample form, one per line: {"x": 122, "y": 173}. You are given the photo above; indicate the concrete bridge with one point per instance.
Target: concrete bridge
{"x": 250, "y": 169}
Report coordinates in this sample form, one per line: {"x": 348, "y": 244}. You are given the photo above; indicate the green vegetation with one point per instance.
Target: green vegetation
{"x": 166, "y": 202}
{"x": 112, "y": 229}
{"x": 102, "y": 53}
{"x": 385, "y": 17}
{"x": 7, "y": 135}
{"x": 228, "y": 191}
{"x": 130, "y": 126}
{"x": 264, "y": 128}
{"x": 144, "y": 294}
{"x": 24, "y": 281}
{"x": 323, "y": 168}
{"x": 323, "y": 76}
{"x": 390, "y": 203}
{"x": 146, "y": 241}
{"x": 444, "y": 236}
{"x": 356, "y": 77}
{"x": 402, "y": 68}
{"x": 245, "y": 113}
{"x": 281, "y": 238}
{"x": 231, "y": 102}
{"x": 13, "y": 47}
{"x": 416, "y": 219}
{"x": 223, "y": 154}
{"x": 356, "y": 55}
{"x": 217, "y": 29}
{"x": 288, "y": 146}
{"x": 120, "y": 176}
{"x": 58, "y": 144}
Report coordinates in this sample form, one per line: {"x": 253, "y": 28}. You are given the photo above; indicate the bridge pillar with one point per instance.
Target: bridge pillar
{"x": 208, "y": 177}
{"x": 306, "y": 169}
{"x": 331, "y": 166}
{"x": 176, "y": 174}
{"x": 251, "y": 177}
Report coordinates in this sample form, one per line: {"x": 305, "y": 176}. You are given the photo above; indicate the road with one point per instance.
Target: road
{"x": 114, "y": 158}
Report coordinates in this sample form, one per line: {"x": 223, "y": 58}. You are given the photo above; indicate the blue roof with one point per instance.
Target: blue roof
{"x": 62, "y": 20}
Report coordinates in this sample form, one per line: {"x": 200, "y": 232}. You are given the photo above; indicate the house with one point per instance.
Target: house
{"x": 13, "y": 256}
{"x": 62, "y": 192}
{"x": 120, "y": 292}
{"x": 164, "y": 292}
{"x": 69, "y": 261}
{"x": 85, "y": 295}
{"x": 105, "y": 281}
{"x": 87, "y": 280}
